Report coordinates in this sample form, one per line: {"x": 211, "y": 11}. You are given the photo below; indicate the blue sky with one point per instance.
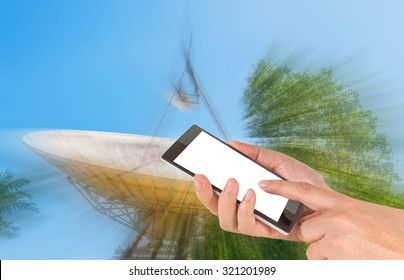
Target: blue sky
{"x": 105, "y": 65}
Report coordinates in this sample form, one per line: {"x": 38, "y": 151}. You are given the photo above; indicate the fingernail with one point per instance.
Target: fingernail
{"x": 264, "y": 184}
{"x": 229, "y": 186}
{"x": 248, "y": 196}
{"x": 198, "y": 185}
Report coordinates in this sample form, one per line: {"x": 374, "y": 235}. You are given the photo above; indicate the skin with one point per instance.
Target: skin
{"x": 327, "y": 222}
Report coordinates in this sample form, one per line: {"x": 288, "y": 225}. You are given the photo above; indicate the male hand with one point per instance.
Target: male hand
{"x": 241, "y": 219}
{"x": 342, "y": 227}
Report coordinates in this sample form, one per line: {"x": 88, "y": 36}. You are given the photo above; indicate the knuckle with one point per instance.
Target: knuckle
{"x": 242, "y": 229}
{"x": 246, "y": 230}
{"x": 223, "y": 226}
{"x": 342, "y": 219}
{"x": 304, "y": 188}
{"x": 338, "y": 218}
{"x": 342, "y": 215}
{"x": 226, "y": 227}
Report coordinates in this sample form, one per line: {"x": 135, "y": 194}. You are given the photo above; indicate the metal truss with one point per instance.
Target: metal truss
{"x": 152, "y": 241}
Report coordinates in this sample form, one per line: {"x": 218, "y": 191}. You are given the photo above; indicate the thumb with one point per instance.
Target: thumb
{"x": 311, "y": 196}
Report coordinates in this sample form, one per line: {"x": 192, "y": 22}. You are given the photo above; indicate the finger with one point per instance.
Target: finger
{"x": 245, "y": 214}
{"x": 309, "y": 216}
{"x": 315, "y": 251}
{"x": 247, "y": 222}
{"x": 313, "y": 197}
{"x": 205, "y": 193}
{"x": 314, "y": 229}
{"x": 227, "y": 206}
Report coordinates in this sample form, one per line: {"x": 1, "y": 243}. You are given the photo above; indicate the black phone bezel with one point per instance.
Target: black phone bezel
{"x": 287, "y": 218}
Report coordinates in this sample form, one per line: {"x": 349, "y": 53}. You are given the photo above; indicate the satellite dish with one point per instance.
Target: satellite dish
{"x": 110, "y": 163}
{"x": 154, "y": 198}
{"x": 122, "y": 176}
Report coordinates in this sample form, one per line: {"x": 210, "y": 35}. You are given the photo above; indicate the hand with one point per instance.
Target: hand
{"x": 241, "y": 219}
{"x": 342, "y": 227}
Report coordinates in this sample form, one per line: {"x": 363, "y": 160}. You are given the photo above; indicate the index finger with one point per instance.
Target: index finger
{"x": 313, "y": 197}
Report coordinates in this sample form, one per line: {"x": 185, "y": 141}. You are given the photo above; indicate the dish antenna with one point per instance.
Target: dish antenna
{"x": 156, "y": 200}
{"x": 123, "y": 177}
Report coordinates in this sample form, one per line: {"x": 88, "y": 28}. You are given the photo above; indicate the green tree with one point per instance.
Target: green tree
{"x": 12, "y": 198}
{"x": 321, "y": 122}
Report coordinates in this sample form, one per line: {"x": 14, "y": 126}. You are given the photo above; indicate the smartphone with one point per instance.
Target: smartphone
{"x": 199, "y": 152}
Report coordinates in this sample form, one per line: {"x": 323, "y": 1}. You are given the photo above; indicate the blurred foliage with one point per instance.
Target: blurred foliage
{"x": 218, "y": 245}
{"x": 210, "y": 242}
{"x": 12, "y": 198}
{"x": 321, "y": 122}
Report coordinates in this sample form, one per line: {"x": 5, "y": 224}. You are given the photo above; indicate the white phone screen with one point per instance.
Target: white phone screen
{"x": 208, "y": 156}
